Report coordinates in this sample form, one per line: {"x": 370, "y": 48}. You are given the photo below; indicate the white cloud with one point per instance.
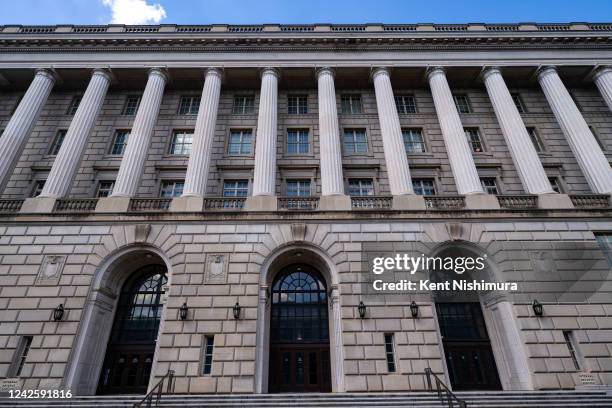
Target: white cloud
{"x": 135, "y": 11}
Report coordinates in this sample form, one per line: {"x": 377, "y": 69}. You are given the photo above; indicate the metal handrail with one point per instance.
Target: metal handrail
{"x": 445, "y": 395}
{"x": 157, "y": 391}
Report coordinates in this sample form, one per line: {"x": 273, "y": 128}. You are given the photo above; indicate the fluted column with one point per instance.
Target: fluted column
{"x": 588, "y": 154}
{"x": 524, "y": 155}
{"x": 19, "y": 127}
{"x": 603, "y": 81}
{"x": 396, "y": 160}
{"x": 69, "y": 156}
{"x": 135, "y": 155}
{"x": 457, "y": 146}
{"x": 264, "y": 177}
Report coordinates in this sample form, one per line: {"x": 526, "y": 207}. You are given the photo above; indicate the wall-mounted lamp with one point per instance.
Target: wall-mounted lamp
{"x": 183, "y": 311}
{"x": 361, "y": 309}
{"x": 58, "y": 313}
{"x": 236, "y": 310}
{"x": 538, "y": 309}
{"x": 414, "y": 309}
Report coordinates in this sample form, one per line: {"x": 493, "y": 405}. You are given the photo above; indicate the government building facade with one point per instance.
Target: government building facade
{"x": 207, "y": 200}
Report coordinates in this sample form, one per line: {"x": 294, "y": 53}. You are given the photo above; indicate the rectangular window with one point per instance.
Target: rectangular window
{"x": 390, "y": 352}
{"x": 37, "y": 188}
{"x": 209, "y": 345}
{"x": 240, "y": 142}
{"x": 424, "y": 187}
{"x": 489, "y": 185}
{"x": 74, "y": 105}
{"x": 413, "y": 140}
{"x": 181, "y": 142}
{"x": 351, "y": 104}
{"x": 171, "y": 188}
{"x": 555, "y": 184}
{"x": 597, "y": 139}
{"x": 355, "y": 141}
{"x": 298, "y": 188}
{"x": 235, "y": 188}
{"x": 518, "y": 102}
{"x": 105, "y": 188}
{"x": 298, "y": 141}
{"x": 119, "y": 142}
{"x": 21, "y": 354}
{"x": 131, "y": 105}
{"x": 473, "y": 137}
{"x": 569, "y": 342}
{"x": 535, "y": 139}
{"x": 405, "y": 104}
{"x": 361, "y": 187}
{"x": 297, "y": 104}
{"x": 189, "y": 105}
{"x": 57, "y": 142}
{"x": 243, "y": 104}
{"x": 463, "y": 103}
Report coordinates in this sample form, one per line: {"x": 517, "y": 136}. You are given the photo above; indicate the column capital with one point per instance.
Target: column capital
{"x": 488, "y": 70}
{"x": 600, "y": 70}
{"x": 270, "y": 71}
{"x": 435, "y": 69}
{"x": 375, "y": 71}
{"x": 161, "y": 71}
{"x": 48, "y": 73}
{"x": 545, "y": 70}
{"x": 105, "y": 72}
{"x": 325, "y": 70}
{"x": 214, "y": 71}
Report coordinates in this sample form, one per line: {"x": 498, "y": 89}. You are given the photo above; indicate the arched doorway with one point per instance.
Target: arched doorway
{"x": 131, "y": 347}
{"x": 299, "y": 332}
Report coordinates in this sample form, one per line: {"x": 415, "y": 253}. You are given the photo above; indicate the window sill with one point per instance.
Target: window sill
{"x": 424, "y": 154}
{"x": 238, "y": 156}
{"x": 175, "y": 156}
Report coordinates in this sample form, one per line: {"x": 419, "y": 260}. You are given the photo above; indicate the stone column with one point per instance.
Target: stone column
{"x": 525, "y": 158}
{"x": 603, "y": 80}
{"x": 19, "y": 127}
{"x": 137, "y": 148}
{"x": 588, "y": 154}
{"x": 264, "y": 178}
{"x": 203, "y": 137}
{"x": 396, "y": 159}
{"x": 457, "y": 145}
{"x": 332, "y": 181}
{"x": 68, "y": 158}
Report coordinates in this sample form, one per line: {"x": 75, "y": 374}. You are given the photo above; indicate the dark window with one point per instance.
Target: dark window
{"x": 181, "y": 142}
{"x": 575, "y": 101}
{"x": 298, "y": 141}
{"x": 597, "y": 139}
{"x": 569, "y": 342}
{"x": 390, "y": 352}
{"x": 298, "y": 188}
{"x": 131, "y": 105}
{"x": 209, "y": 345}
{"x": 518, "y": 102}
{"x": 361, "y": 187}
{"x": 555, "y": 184}
{"x": 297, "y": 104}
{"x": 74, "y": 105}
{"x": 189, "y": 105}
{"x": 243, "y": 104}
{"x": 16, "y": 105}
{"x": 119, "y": 142}
{"x": 413, "y": 140}
{"x": 355, "y": 141}
{"x": 351, "y": 104}
{"x": 473, "y": 137}
{"x": 424, "y": 187}
{"x": 105, "y": 188}
{"x": 463, "y": 103}
{"x": 57, "y": 142}
{"x": 21, "y": 354}
{"x": 489, "y": 185}
{"x": 405, "y": 104}
{"x": 461, "y": 321}
{"x": 535, "y": 139}
{"x": 240, "y": 142}
{"x": 37, "y": 188}
{"x": 171, "y": 188}
{"x": 235, "y": 188}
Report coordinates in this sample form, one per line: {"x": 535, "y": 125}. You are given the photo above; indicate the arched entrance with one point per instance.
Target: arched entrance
{"x": 131, "y": 347}
{"x": 299, "y": 332}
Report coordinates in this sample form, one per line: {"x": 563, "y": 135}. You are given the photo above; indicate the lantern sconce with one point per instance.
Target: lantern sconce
{"x": 236, "y": 310}
{"x": 58, "y": 313}
{"x": 361, "y": 309}
{"x": 538, "y": 309}
{"x": 414, "y": 309}
{"x": 183, "y": 311}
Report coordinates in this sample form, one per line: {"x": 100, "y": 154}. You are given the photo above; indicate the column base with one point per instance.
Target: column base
{"x": 408, "y": 202}
{"x": 187, "y": 204}
{"x": 339, "y": 202}
{"x": 482, "y": 201}
{"x": 113, "y": 205}
{"x": 261, "y": 203}
{"x": 554, "y": 201}
{"x": 39, "y": 205}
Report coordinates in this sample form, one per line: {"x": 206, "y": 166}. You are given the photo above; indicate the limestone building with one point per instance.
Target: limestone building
{"x": 202, "y": 199}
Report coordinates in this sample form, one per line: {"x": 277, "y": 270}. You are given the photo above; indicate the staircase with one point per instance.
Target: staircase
{"x": 499, "y": 399}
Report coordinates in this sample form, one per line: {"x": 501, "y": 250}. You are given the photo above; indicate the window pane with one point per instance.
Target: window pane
{"x": 423, "y": 187}
{"x": 131, "y": 105}
{"x": 413, "y": 140}
{"x": 189, "y": 105}
{"x": 462, "y": 103}
{"x": 170, "y": 189}
{"x": 351, "y": 104}
{"x": 240, "y": 142}
{"x": 489, "y": 185}
{"x": 535, "y": 139}
{"x": 298, "y": 141}
{"x": 74, "y": 105}
{"x": 297, "y": 104}
{"x": 235, "y": 188}
{"x": 518, "y": 102}
{"x": 181, "y": 142}
{"x": 355, "y": 141}
{"x": 105, "y": 188}
{"x": 473, "y": 136}
{"x": 243, "y": 104}
{"x": 57, "y": 142}
{"x": 405, "y": 104}
{"x": 361, "y": 187}
{"x": 119, "y": 142}
{"x": 298, "y": 188}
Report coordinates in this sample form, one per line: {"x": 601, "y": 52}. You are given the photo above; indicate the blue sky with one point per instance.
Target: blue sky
{"x": 299, "y": 11}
